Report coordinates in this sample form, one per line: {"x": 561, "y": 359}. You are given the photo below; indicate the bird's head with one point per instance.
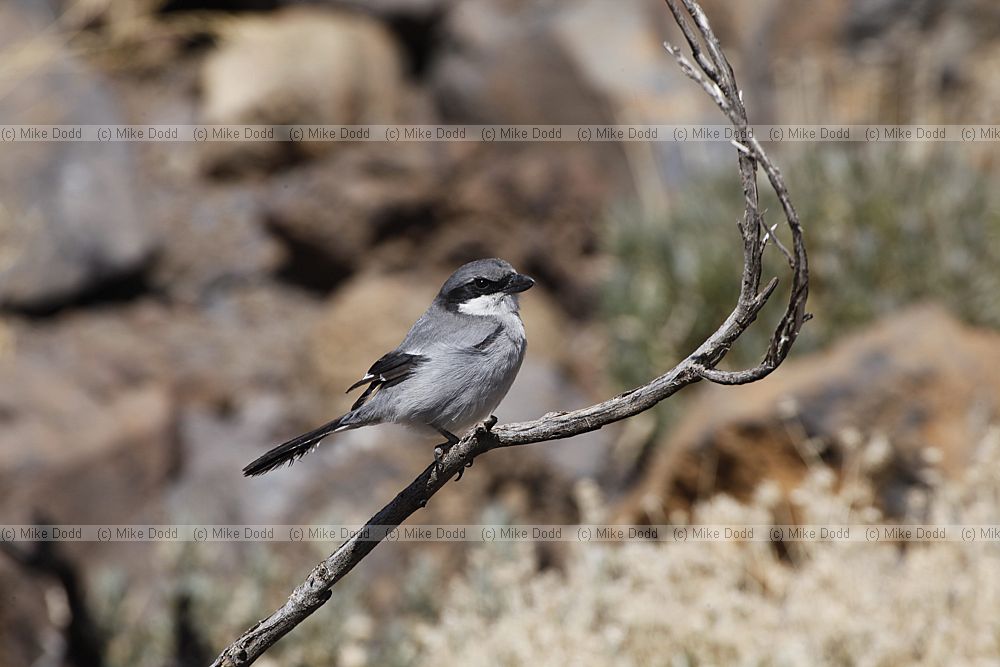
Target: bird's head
{"x": 484, "y": 287}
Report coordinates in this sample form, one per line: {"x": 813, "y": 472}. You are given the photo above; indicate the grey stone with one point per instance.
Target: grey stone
{"x": 69, "y": 218}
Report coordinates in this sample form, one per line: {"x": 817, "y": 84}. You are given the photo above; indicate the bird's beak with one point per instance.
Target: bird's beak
{"x": 519, "y": 283}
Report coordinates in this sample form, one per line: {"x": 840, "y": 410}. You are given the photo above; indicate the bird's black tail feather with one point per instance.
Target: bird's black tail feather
{"x": 292, "y": 450}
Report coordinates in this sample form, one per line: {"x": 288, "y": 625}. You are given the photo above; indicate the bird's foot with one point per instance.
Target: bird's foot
{"x": 453, "y": 440}
{"x": 439, "y": 453}
{"x": 444, "y": 447}
{"x": 490, "y": 423}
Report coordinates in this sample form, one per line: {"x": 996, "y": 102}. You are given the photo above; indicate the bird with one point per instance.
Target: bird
{"x": 454, "y": 366}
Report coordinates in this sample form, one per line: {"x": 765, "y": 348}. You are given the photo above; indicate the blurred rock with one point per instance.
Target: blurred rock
{"x": 499, "y": 64}
{"x": 870, "y": 18}
{"x": 84, "y": 439}
{"x": 866, "y": 61}
{"x": 365, "y": 319}
{"x": 585, "y": 62}
{"x": 582, "y": 62}
{"x": 412, "y": 207}
{"x": 618, "y": 49}
{"x": 301, "y": 65}
{"x": 211, "y": 241}
{"x": 332, "y": 213}
{"x": 415, "y": 24}
{"x": 84, "y": 377}
{"x": 99, "y": 415}
{"x": 925, "y": 387}
{"x": 86, "y": 453}
{"x": 396, "y": 7}
{"x": 69, "y": 221}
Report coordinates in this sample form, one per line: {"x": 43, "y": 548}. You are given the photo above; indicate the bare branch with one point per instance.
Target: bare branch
{"x": 769, "y": 234}
{"x": 711, "y": 88}
{"x": 715, "y": 75}
{"x": 694, "y": 44}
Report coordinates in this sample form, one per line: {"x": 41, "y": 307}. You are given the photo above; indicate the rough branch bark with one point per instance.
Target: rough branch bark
{"x": 715, "y": 76}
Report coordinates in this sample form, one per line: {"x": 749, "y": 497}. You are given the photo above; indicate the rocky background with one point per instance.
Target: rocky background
{"x": 168, "y": 311}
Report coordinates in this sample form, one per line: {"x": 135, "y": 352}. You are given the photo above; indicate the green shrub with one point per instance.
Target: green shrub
{"x": 883, "y": 230}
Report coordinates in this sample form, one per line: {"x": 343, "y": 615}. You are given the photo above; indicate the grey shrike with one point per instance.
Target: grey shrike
{"x": 451, "y": 371}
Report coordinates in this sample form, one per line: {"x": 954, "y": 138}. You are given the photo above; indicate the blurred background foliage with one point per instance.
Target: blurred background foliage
{"x": 892, "y": 228}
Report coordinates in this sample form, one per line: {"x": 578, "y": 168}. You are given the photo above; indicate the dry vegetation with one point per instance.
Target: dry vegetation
{"x": 645, "y": 603}
{"x": 731, "y": 603}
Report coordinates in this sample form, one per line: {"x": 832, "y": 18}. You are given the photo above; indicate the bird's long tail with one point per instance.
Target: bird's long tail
{"x": 295, "y": 448}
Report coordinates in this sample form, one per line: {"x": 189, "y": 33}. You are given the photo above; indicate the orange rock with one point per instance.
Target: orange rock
{"x": 921, "y": 380}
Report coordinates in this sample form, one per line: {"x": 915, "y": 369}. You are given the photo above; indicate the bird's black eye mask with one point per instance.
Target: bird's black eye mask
{"x": 479, "y": 286}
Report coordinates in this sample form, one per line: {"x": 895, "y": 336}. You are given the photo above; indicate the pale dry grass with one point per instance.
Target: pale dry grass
{"x": 741, "y": 603}
{"x": 639, "y": 603}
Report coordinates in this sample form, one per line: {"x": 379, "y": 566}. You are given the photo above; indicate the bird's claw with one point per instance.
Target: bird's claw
{"x": 490, "y": 423}
{"x": 439, "y": 453}
{"x": 487, "y": 426}
{"x": 468, "y": 464}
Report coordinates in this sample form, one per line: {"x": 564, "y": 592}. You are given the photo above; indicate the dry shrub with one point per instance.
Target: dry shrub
{"x": 742, "y": 603}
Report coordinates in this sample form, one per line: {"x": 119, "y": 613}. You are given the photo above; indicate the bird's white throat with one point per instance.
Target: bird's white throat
{"x": 501, "y": 306}
{"x": 495, "y": 305}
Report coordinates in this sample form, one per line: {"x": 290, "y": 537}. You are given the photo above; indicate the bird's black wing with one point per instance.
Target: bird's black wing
{"x": 390, "y": 369}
